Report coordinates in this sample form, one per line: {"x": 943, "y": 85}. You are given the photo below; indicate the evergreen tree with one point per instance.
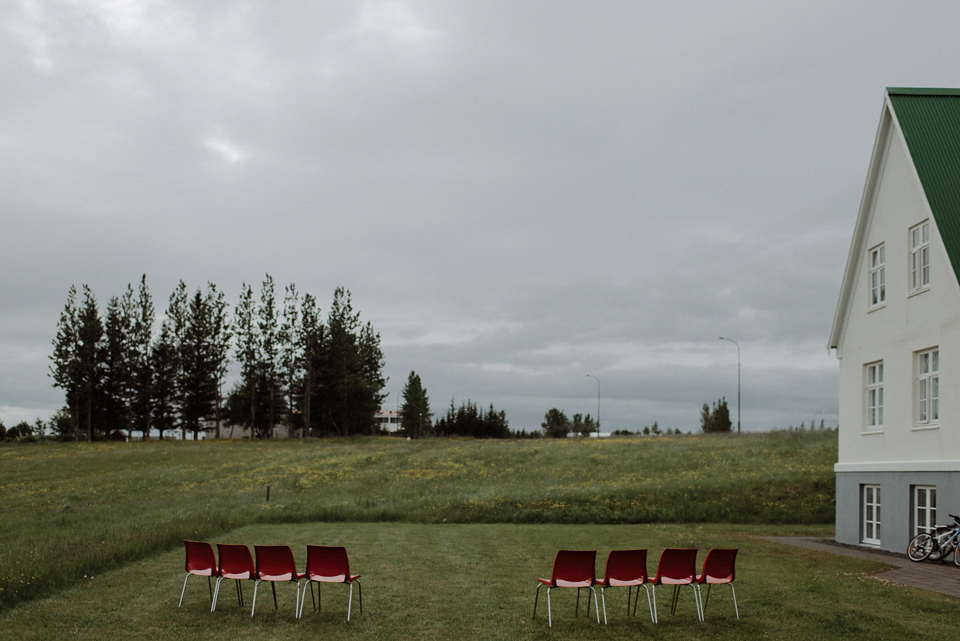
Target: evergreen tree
{"x": 220, "y": 334}
{"x": 198, "y": 383}
{"x": 118, "y": 364}
{"x": 163, "y": 385}
{"x": 555, "y": 423}
{"x": 583, "y": 426}
{"x": 310, "y": 339}
{"x": 248, "y": 355}
{"x": 178, "y": 317}
{"x": 65, "y": 369}
{"x": 89, "y": 354}
{"x": 291, "y": 355}
{"x": 716, "y": 419}
{"x": 269, "y": 361}
{"x": 415, "y": 412}
{"x": 141, "y": 337}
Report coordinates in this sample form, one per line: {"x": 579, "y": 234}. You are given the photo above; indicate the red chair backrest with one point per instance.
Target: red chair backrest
{"x": 236, "y": 562}
{"x": 677, "y": 565}
{"x": 275, "y": 563}
{"x": 575, "y": 566}
{"x": 200, "y": 558}
{"x": 626, "y": 565}
{"x": 719, "y": 566}
{"x": 328, "y": 562}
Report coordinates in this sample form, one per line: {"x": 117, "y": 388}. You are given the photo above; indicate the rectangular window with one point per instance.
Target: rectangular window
{"x": 920, "y": 257}
{"x": 924, "y": 508}
{"x": 874, "y": 388}
{"x": 878, "y": 276}
{"x": 928, "y": 387}
{"x": 871, "y": 514}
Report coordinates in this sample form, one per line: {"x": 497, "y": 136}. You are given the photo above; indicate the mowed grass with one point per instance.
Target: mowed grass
{"x": 477, "y": 581}
{"x": 73, "y": 510}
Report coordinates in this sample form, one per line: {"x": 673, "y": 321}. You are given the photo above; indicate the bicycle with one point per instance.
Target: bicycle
{"x": 937, "y": 545}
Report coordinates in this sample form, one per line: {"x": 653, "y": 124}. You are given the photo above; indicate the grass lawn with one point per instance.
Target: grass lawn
{"x": 477, "y": 581}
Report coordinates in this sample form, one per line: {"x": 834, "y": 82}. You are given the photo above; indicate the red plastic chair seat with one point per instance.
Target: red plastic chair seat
{"x": 719, "y": 568}
{"x": 236, "y": 563}
{"x": 275, "y": 564}
{"x": 571, "y": 569}
{"x": 625, "y": 569}
{"x": 677, "y": 567}
{"x": 330, "y": 564}
{"x": 200, "y": 561}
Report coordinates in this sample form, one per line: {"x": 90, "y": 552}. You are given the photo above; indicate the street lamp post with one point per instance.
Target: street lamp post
{"x": 598, "y": 402}
{"x": 738, "y": 378}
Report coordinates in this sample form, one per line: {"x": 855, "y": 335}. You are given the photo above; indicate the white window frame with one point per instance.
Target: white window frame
{"x": 870, "y": 503}
{"x": 920, "y": 257}
{"x": 873, "y": 376}
{"x": 928, "y": 387}
{"x": 924, "y": 508}
{"x": 878, "y": 277}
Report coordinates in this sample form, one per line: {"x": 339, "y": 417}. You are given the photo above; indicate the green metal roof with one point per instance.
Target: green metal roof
{"x": 930, "y": 121}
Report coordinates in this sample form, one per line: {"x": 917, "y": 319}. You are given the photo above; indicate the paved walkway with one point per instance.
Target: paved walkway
{"x": 928, "y": 575}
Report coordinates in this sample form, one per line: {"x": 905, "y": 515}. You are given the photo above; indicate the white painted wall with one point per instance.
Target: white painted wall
{"x": 893, "y": 333}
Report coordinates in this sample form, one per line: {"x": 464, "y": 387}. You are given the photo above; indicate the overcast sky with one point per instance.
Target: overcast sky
{"x": 517, "y": 194}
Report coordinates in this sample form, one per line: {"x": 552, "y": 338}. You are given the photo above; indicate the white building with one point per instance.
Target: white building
{"x": 896, "y": 329}
{"x": 388, "y": 420}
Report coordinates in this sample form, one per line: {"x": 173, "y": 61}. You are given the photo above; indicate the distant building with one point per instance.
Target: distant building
{"x": 896, "y": 329}
{"x": 388, "y": 420}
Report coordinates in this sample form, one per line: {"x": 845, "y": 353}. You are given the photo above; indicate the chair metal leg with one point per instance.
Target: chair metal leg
{"x": 735, "y": 608}
{"x": 184, "y": 589}
{"x": 576, "y": 612}
{"x": 603, "y": 600}
{"x": 254, "y": 607}
{"x": 655, "y": 616}
{"x": 350, "y": 602}
{"x": 549, "y": 609}
{"x": 595, "y": 606}
{"x": 239, "y": 593}
{"x": 273, "y": 586}
{"x": 360, "y": 595}
{"x": 535, "y": 597}
{"x": 216, "y": 594}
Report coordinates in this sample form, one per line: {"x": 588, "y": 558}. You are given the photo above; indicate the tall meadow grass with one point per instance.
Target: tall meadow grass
{"x": 70, "y": 511}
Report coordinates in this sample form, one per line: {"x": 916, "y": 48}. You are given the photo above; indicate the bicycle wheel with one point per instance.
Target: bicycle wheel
{"x": 920, "y": 547}
{"x": 946, "y": 551}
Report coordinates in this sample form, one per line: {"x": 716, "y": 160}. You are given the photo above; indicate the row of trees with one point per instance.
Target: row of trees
{"x": 717, "y": 418}
{"x": 557, "y": 425}
{"x": 117, "y": 372}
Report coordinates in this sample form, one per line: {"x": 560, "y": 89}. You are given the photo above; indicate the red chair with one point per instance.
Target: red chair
{"x": 275, "y": 564}
{"x": 625, "y": 569}
{"x": 236, "y": 563}
{"x": 719, "y": 568}
{"x": 329, "y": 564}
{"x": 571, "y": 569}
{"x": 200, "y": 562}
{"x": 677, "y": 567}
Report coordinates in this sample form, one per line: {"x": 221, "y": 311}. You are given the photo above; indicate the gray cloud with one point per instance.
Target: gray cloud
{"x": 516, "y": 194}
